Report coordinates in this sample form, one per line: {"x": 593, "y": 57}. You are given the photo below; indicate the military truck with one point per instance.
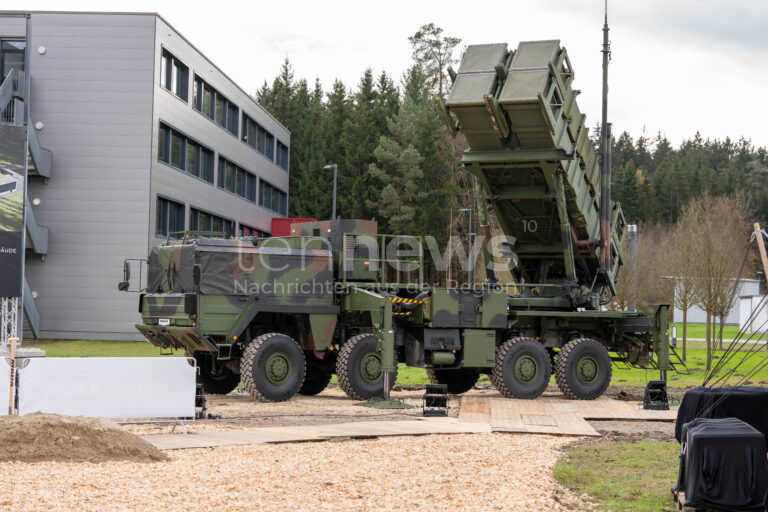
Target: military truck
{"x": 284, "y": 314}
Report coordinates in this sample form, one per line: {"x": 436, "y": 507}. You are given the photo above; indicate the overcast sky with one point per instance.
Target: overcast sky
{"x": 678, "y": 66}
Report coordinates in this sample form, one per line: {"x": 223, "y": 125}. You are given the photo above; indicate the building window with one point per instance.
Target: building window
{"x": 282, "y": 155}
{"x": 211, "y": 103}
{"x": 11, "y": 57}
{"x": 258, "y": 138}
{"x": 237, "y": 180}
{"x": 249, "y": 231}
{"x": 272, "y": 198}
{"x": 177, "y": 150}
{"x": 174, "y": 75}
{"x": 200, "y": 220}
{"x": 170, "y": 218}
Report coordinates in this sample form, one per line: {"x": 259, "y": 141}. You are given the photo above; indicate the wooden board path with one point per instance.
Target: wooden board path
{"x": 553, "y": 414}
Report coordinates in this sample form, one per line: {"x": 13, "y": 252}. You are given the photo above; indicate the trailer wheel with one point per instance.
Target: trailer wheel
{"x": 316, "y": 380}
{"x": 458, "y": 381}
{"x": 358, "y": 368}
{"x": 583, "y": 369}
{"x": 272, "y": 367}
{"x": 522, "y": 368}
{"x": 219, "y": 382}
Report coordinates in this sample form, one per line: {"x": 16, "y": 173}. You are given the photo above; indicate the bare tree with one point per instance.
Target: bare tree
{"x": 681, "y": 262}
{"x": 719, "y": 223}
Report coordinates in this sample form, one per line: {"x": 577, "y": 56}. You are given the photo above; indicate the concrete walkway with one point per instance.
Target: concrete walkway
{"x": 294, "y": 434}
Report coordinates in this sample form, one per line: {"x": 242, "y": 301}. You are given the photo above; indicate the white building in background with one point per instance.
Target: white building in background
{"x": 135, "y": 135}
{"x": 758, "y": 323}
{"x": 696, "y": 315}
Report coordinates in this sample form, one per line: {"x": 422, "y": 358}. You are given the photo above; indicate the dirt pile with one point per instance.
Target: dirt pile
{"x": 51, "y": 437}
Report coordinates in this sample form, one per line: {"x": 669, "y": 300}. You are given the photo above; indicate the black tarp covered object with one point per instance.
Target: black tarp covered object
{"x": 747, "y": 403}
{"x": 723, "y": 465}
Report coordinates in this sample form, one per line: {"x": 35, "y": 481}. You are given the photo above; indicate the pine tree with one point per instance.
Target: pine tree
{"x": 397, "y": 173}
{"x": 359, "y": 139}
{"x": 434, "y": 53}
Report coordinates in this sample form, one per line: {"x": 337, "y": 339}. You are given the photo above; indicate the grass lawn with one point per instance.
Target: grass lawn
{"x": 88, "y": 348}
{"x": 696, "y": 362}
{"x": 697, "y": 356}
{"x": 622, "y": 475}
{"x": 700, "y": 331}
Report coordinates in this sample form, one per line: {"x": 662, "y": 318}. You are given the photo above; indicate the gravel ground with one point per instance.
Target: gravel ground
{"x": 449, "y": 472}
{"x": 240, "y": 411}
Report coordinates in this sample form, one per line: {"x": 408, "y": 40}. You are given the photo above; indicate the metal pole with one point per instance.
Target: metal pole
{"x": 333, "y": 215}
{"x": 471, "y": 255}
{"x": 632, "y": 232}
{"x": 28, "y": 126}
{"x": 605, "y": 159}
{"x": 470, "y": 266}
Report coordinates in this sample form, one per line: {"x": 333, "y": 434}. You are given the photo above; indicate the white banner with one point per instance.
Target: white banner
{"x": 109, "y": 387}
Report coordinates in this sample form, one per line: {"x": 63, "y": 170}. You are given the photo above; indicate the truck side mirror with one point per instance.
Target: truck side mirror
{"x": 197, "y": 275}
{"x": 126, "y": 284}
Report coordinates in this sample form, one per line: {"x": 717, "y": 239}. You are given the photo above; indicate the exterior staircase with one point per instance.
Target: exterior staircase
{"x": 12, "y": 105}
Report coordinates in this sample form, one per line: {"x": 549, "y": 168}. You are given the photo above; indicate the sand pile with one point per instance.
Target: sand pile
{"x": 51, "y": 437}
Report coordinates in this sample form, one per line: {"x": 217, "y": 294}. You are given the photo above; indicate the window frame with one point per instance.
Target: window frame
{"x": 212, "y": 216}
{"x": 167, "y": 221}
{"x": 204, "y": 158}
{"x": 239, "y": 175}
{"x": 278, "y": 160}
{"x": 200, "y": 89}
{"x": 264, "y": 140}
{"x": 281, "y": 199}
{"x": 171, "y": 77}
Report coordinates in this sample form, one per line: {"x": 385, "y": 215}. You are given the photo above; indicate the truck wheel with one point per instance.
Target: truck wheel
{"x": 220, "y": 382}
{"x": 315, "y": 381}
{"x": 458, "y": 381}
{"x": 522, "y": 368}
{"x": 358, "y": 368}
{"x": 583, "y": 369}
{"x": 272, "y": 367}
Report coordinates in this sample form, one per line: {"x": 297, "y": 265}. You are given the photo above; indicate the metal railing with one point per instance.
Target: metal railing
{"x": 37, "y": 235}
{"x": 31, "y": 312}
{"x": 41, "y": 157}
{"x": 12, "y": 98}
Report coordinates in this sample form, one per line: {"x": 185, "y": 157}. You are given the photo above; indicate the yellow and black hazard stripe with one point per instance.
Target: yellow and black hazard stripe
{"x": 401, "y": 300}
{"x": 401, "y": 313}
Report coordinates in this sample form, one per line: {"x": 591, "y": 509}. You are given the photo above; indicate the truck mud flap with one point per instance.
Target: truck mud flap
{"x": 188, "y": 338}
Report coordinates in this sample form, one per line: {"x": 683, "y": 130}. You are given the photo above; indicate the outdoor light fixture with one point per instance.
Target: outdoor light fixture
{"x": 36, "y": 201}
{"x": 41, "y": 50}
{"x": 39, "y": 125}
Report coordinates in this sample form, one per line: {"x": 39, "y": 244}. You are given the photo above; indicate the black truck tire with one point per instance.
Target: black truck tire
{"x": 356, "y": 368}
{"x": 316, "y": 380}
{"x": 583, "y": 369}
{"x": 459, "y": 380}
{"x": 272, "y": 367}
{"x": 220, "y": 382}
{"x": 523, "y": 368}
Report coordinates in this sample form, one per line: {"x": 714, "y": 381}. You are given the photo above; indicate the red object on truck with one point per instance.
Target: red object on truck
{"x": 281, "y": 226}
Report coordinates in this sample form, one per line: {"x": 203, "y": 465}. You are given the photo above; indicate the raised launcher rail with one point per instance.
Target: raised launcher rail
{"x": 530, "y": 149}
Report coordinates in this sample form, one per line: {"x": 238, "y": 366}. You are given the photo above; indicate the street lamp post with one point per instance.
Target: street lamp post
{"x": 335, "y": 169}
{"x": 470, "y": 267}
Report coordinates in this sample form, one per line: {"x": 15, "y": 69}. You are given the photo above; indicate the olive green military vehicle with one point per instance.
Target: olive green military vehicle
{"x": 284, "y": 314}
